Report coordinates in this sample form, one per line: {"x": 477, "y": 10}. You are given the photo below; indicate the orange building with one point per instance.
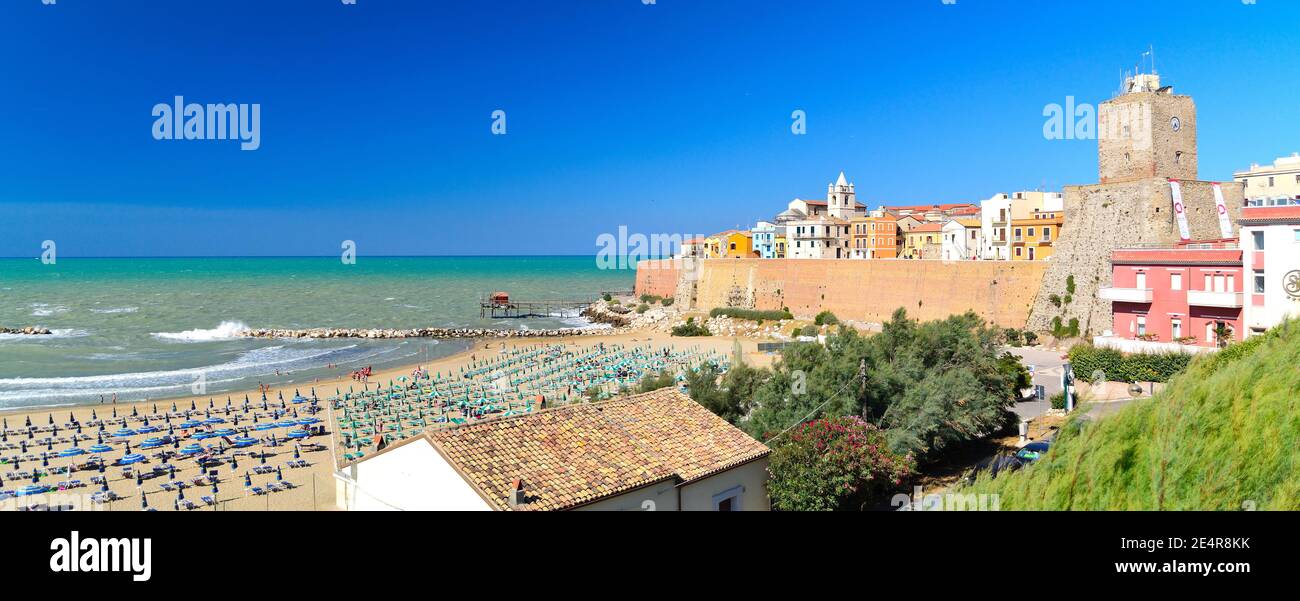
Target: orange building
{"x": 874, "y": 237}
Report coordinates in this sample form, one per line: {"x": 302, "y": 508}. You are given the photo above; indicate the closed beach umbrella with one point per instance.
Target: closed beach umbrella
{"x": 279, "y": 475}
{"x": 248, "y": 480}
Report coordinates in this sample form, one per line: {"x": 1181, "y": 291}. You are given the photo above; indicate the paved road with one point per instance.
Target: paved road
{"x": 1046, "y": 365}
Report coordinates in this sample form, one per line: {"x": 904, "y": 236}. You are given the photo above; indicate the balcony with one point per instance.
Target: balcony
{"x": 1205, "y": 298}
{"x": 1125, "y": 295}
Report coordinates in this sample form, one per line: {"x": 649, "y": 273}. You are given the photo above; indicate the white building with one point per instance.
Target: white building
{"x": 1270, "y": 240}
{"x": 962, "y": 240}
{"x": 997, "y": 213}
{"x": 657, "y": 451}
{"x": 822, "y": 238}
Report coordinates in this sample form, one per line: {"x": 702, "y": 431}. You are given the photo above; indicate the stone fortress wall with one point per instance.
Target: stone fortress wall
{"x": 869, "y": 291}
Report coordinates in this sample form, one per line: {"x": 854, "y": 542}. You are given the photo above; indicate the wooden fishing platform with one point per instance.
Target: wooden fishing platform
{"x": 498, "y": 305}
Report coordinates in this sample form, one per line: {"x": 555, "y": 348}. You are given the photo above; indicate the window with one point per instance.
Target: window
{"x": 1142, "y": 325}
{"x": 1018, "y": 251}
{"x": 1141, "y": 281}
{"x": 1176, "y": 281}
{"x": 1258, "y": 238}
{"x": 728, "y": 500}
{"x": 1297, "y": 235}
{"x": 1017, "y": 238}
{"x": 1047, "y": 234}
{"x": 1031, "y": 232}
{"x": 1176, "y": 328}
{"x": 1259, "y": 282}
{"x": 1270, "y": 182}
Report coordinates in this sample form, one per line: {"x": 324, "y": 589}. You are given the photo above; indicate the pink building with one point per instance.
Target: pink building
{"x": 1175, "y": 297}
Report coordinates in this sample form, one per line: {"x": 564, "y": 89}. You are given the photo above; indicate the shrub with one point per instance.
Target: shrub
{"x": 750, "y": 314}
{"x": 606, "y": 297}
{"x": 690, "y": 328}
{"x": 826, "y": 318}
{"x": 809, "y": 330}
{"x": 797, "y": 332}
{"x": 1031, "y": 338}
{"x": 1069, "y": 284}
{"x": 667, "y": 302}
{"x": 1058, "y": 400}
{"x": 1012, "y": 336}
{"x": 1118, "y": 367}
{"x": 1055, "y": 299}
{"x": 642, "y": 308}
{"x": 835, "y": 464}
{"x": 652, "y": 382}
{"x": 651, "y": 298}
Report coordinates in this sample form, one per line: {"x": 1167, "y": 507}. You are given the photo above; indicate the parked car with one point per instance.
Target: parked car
{"x": 1033, "y": 451}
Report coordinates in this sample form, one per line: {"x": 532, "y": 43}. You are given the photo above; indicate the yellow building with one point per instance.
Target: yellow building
{"x": 779, "y": 247}
{"x": 925, "y": 241}
{"x": 1032, "y": 238}
{"x": 729, "y": 244}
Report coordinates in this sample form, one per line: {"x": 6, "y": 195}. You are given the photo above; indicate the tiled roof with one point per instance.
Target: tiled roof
{"x": 929, "y": 226}
{"x": 576, "y": 454}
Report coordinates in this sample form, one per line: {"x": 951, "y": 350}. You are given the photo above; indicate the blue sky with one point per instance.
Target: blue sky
{"x": 673, "y": 117}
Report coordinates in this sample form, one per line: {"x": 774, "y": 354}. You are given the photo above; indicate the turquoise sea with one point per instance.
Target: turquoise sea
{"x": 146, "y": 328}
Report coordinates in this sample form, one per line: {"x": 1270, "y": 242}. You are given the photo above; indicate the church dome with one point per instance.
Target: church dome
{"x": 790, "y": 215}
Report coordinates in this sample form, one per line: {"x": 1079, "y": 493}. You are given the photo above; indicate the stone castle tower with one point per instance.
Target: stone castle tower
{"x": 1146, "y": 137}
{"x": 1147, "y": 132}
{"x": 841, "y": 200}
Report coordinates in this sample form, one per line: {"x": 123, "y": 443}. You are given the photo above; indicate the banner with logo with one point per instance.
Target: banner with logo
{"x": 1180, "y": 211}
{"x": 1225, "y": 224}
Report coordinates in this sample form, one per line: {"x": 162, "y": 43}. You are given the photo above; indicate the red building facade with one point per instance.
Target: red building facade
{"x": 1185, "y": 295}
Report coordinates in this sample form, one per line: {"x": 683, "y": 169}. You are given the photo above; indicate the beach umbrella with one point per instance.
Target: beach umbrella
{"x": 278, "y": 474}
{"x": 29, "y": 421}
{"x": 263, "y": 456}
{"x": 234, "y": 463}
{"x": 171, "y": 473}
{"x": 51, "y": 417}
{"x": 248, "y": 480}
{"x": 115, "y": 412}
{"x": 93, "y": 416}
{"x": 144, "y": 500}
{"x": 45, "y": 460}
{"x": 214, "y": 489}
{"x": 295, "y": 452}
{"x": 24, "y": 445}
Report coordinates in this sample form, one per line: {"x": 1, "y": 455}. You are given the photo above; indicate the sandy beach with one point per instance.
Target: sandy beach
{"x": 313, "y": 485}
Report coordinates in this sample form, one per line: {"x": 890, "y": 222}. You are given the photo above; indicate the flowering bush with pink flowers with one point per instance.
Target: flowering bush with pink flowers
{"x": 836, "y": 464}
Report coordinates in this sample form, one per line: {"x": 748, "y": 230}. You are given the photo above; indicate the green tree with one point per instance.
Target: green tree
{"x": 652, "y": 382}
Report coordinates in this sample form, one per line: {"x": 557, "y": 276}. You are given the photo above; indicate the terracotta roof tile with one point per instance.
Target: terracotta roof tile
{"x": 576, "y": 454}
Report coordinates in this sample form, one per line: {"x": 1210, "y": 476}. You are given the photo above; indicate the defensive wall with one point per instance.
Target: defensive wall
{"x": 1002, "y": 292}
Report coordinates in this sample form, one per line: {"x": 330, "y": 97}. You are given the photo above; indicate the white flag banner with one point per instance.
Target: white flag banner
{"x": 1180, "y": 211}
{"x": 1225, "y": 224}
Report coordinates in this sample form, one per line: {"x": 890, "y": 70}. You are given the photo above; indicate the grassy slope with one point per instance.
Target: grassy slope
{"x": 1224, "y": 435}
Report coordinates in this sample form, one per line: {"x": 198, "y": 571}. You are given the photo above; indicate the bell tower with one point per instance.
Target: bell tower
{"x": 841, "y": 200}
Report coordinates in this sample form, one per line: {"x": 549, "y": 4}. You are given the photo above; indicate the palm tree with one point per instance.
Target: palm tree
{"x": 1222, "y": 334}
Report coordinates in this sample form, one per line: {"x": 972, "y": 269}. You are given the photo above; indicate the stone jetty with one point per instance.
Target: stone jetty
{"x": 27, "y": 331}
